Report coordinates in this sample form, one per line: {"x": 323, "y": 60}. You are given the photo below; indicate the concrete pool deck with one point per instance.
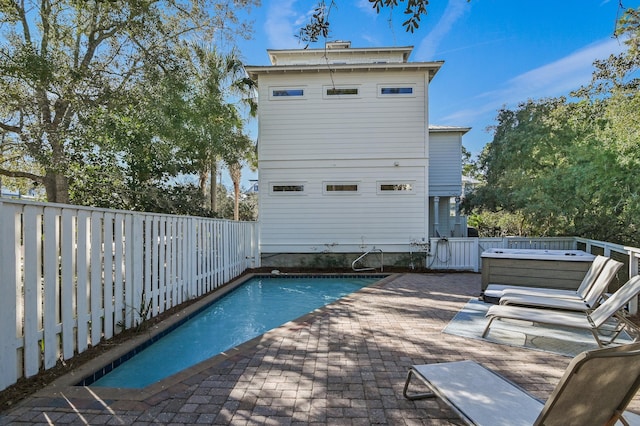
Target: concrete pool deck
{"x": 344, "y": 364}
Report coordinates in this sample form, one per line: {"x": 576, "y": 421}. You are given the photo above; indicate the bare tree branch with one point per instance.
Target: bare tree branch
{"x": 19, "y": 174}
{"x": 10, "y": 128}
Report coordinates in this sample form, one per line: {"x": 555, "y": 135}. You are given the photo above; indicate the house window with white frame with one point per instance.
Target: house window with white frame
{"x": 287, "y": 188}
{"x": 335, "y": 188}
{"x": 395, "y": 187}
{"x": 285, "y": 93}
{"x": 340, "y": 92}
{"x": 392, "y": 90}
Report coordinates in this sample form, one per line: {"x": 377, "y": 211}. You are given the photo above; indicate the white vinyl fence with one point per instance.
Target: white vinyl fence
{"x": 72, "y": 276}
{"x": 464, "y": 254}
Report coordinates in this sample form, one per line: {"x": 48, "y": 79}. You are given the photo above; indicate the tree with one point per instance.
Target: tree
{"x": 469, "y": 166}
{"x": 218, "y": 89}
{"x": 137, "y": 142}
{"x": 569, "y": 168}
{"x": 234, "y": 161}
{"x": 60, "y": 61}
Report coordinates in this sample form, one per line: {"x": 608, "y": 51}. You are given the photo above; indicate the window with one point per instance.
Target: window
{"x": 344, "y": 91}
{"x": 395, "y": 187}
{"x": 285, "y": 93}
{"x": 338, "y": 92}
{"x": 393, "y": 90}
{"x": 396, "y": 91}
{"x": 340, "y": 187}
{"x": 287, "y": 188}
{"x": 288, "y": 92}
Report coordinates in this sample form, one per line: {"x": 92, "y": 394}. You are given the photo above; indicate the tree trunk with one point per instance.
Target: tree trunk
{"x": 57, "y": 187}
{"x": 203, "y": 177}
{"x": 213, "y": 188}
{"x": 236, "y": 204}
{"x": 235, "y": 171}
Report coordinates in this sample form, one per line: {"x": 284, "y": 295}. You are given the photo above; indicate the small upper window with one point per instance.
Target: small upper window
{"x": 337, "y": 92}
{"x": 393, "y": 90}
{"x": 336, "y": 188}
{"x": 390, "y": 187}
{"x": 287, "y": 188}
{"x": 396, "y": 91}
{"x": 287, "y": 92}
{"x": 343, "y": 91}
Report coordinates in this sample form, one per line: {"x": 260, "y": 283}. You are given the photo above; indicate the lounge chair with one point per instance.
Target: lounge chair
{"x": 592, "y": 321}
{"x": 494, "y": 292}
{"x": 595, "y": 389}
{"x": 589, "y": 302}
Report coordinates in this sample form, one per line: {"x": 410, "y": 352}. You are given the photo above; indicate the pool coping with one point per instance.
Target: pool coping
{"x": 67, "y": 385}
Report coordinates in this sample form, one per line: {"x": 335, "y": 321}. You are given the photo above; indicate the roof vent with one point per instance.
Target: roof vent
{"x": 338, "y": 44}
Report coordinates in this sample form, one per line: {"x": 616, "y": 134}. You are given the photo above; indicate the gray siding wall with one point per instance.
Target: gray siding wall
{"x": 445, "y": 166}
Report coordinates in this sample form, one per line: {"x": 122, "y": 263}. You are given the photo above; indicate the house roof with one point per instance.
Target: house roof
{"x": 430, "y": 67}
{"x": 468, "y": 180}
{"x": 339, "y": 56}
{"x": 448, "y": 129}
{"x": 337, "y": 50}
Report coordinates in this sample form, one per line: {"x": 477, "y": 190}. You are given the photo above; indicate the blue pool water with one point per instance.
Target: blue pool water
{"x": 259, "y": 305}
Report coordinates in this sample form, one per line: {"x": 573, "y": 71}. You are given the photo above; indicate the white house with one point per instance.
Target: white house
{"x": 347, "y": 159}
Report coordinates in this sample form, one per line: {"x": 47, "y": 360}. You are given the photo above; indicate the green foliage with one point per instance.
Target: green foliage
{"x": 248, "y": 206}
{"x": 500, "y": 224}
{"x": 67, "y": 66}
{"x": 569, "y": 168}
{"x": 319, "y": 25}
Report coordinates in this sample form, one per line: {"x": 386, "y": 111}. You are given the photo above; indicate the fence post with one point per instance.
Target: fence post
{"x": 255, "y": 240}
{"x": 136, "y": 249}
{"x": 68, "y": 294}
{"x": 51, "y": 286}
{"x": 634, "y": 256}
{"x": 9, "y": 267}
{"x": 191, "y": 258}
{"x": 30, "y": 305}
{"x": 128, "y": 272}
{"x": 475, "y": 255}
{"x": 107, "y": 284}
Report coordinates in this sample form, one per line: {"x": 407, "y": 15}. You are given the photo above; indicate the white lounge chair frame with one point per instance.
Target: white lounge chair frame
{"x": 497, "y": 291}
{"x": 611, "y": 308}
{"x": 591, "y": 299}
{"x": 595, "y": 389}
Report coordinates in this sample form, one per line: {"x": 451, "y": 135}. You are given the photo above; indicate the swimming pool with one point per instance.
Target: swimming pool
{"x": 256, "y": 306}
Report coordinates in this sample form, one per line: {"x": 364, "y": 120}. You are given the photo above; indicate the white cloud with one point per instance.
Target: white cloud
{"x": 366, "y": 7}
{"x": 562, "y": 76}
{"x": 429, "y": 45}
{"x": 554, "y": 79}
{"x": 282, "y": 23}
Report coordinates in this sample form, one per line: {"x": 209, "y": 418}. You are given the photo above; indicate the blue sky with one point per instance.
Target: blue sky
{"x": 497, "y": 52}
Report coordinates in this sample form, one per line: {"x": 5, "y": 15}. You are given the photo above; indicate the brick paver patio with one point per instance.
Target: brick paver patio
{"x": 344, "y": 364}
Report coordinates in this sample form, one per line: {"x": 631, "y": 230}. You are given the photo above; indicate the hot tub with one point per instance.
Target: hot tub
{"x": 535, "y": 268}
